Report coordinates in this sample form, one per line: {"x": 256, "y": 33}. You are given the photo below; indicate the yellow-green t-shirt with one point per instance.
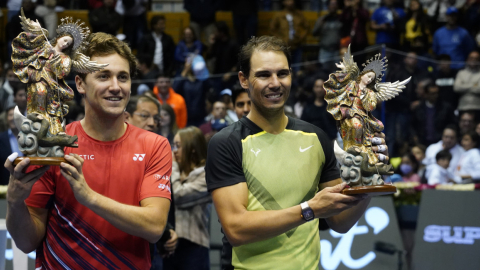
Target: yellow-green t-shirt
{"x": 280, "y": 171}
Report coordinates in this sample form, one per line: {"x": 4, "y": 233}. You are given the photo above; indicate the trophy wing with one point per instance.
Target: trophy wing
{"x": 30, "y": 26}
{"x": 386, "y": 91}
{"x": 82, "y": 64}
{"x": 350, "y": 65}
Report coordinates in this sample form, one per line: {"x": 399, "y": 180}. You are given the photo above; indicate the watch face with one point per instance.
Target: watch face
{"x": 308, "y": 214}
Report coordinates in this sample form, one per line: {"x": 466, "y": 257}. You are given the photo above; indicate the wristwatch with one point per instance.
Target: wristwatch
{"x": 307, "y": 212}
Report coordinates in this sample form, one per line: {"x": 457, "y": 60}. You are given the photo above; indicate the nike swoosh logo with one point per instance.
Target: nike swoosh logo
{"x": 305, "y": 149}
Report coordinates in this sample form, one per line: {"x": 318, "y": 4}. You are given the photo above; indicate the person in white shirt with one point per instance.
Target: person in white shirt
{"x": 468, "y": 168}
{"x": 448, "y": 142}
{"x": 438, "y": 172}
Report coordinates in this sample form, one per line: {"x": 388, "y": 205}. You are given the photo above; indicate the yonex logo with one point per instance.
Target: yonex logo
{"x": 138, "y": 157}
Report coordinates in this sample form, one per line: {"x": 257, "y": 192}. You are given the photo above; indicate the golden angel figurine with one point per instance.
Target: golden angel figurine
{"x": 43, "y": 65}
{"x": 352, "y": 96}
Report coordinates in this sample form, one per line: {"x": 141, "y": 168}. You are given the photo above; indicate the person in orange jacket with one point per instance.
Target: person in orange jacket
{"x": 165, "y": 93}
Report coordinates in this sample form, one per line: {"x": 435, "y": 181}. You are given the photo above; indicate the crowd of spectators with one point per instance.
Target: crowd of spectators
{"x": 433, "y": 42}
{"x": 433, "y": 125}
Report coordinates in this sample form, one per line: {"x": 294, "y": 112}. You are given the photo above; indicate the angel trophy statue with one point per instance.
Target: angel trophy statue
{"x": 43, "y": 65}
{"x": 352, "y": 96}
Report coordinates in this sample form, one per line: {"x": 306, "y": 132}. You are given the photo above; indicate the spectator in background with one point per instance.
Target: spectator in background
{"x": 159, "y": 45}
{"x": 438, "y": 172}
{"x": 431, "y": 117}
{"x": 168, "y": 126}
{"x": 467, "y": 122}
{"x": 146, "y": 75}
{"x": 245, "y": 19}
{"x": 398, "y": 110}
{"x": 193, "y": 202}
{"x": 316, "y": 112}
{"x": 134, "y": 20}
{"x": 105, "y": 18}
{"x": 449, "y": 143}
{"x": 49, "y": 15}
{"x": 444, "y": 77}
{"x": 215, "y": 121}
{"x": 194, "y": 91}
{"x": 436, "y": 9}
{"x": 226, "y": 97}
{"x": 13, "y": 7}
{"x": 143, "y": 112}
{"x": 453, "y": 40}
{"x": 408, "y": 168}
{"x": 418, "y": 151}
{"x": 467, "y": 84}
{"x": 388, "y": 22}
{"x": 292, "y": 27}
{"x": 242, "y": 102}
{"x": 202, "y": 16}
{"x": 468, "y": 168}
{"x": 165, "y": 94}
{"x": 8, "y": 142}
{"x": 354, "y": 19}
{"x": 222, "y": 57}
{"x": 19, "y": 98}
{"x": 328, "y": 28}
{"x": 187, "y": 46}
{"x": 471, "y": 18}
{"x": 6, "y": 90}
{"x": 417, "y": 28}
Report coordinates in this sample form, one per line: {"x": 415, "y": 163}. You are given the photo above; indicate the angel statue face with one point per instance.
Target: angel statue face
{"x": 367, "y": 78}
{"x": 63, "y": 43}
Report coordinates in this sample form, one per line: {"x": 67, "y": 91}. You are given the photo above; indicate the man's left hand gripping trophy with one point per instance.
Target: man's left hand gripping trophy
{"x": 43, "y": 65}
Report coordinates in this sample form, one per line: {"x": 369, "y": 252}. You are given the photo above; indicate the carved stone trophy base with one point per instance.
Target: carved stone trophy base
{"x": 55, "y": 161}
{"x": 377, "y": 190}
{"x": 362, "y": 177}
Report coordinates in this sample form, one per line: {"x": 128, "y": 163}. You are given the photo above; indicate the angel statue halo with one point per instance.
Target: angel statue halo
{"x": 76, "y": 30}
{"x": 43, "y": 68}
{"x": 351, "y": 96}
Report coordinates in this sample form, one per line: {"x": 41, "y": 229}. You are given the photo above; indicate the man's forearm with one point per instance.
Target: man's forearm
{"x": 342, "y": 222}
{"x": 253, "y": 226}
{"x": 26, "y": 230}
{"x": 147, "y": 222}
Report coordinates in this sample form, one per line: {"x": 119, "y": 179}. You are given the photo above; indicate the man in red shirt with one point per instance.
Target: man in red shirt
{"x": 100, "y": 210}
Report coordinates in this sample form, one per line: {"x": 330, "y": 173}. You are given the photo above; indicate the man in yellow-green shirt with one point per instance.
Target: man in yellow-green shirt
{"x": 272, "y": 176}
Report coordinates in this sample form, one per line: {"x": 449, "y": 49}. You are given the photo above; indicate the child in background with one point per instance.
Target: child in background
{"x": 408, "y": 168}
{"x": 438, "y": 174}
{"x": 468, "y": 168}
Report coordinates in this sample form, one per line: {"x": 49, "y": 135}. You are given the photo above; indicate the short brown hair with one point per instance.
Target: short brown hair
{"x": 263, "y": 43}
{"x": 194, "y": 149}
{"x": 102, "y": 44}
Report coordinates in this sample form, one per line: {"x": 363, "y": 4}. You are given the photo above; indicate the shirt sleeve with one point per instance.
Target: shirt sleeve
{"x": 330, "y": 170}
{"x": 224, "y": 161}
{"x": 156, "y": 182}
{"x": 435, "y": 176}
{"x": 43, "y": 190}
